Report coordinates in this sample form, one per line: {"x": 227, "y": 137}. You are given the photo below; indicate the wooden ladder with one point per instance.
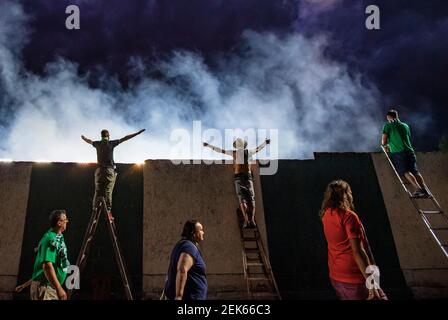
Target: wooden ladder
{"x": 260, "y": 281}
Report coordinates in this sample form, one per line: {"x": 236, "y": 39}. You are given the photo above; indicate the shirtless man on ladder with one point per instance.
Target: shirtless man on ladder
{"x": 243, "y": 179}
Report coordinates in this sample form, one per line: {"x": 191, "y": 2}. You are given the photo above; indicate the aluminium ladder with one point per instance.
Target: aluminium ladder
{"x": 88, "y": 239}
{"x": 440, "y": 232}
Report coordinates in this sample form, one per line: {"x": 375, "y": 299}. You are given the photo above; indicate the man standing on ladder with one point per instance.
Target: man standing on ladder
{"x": 396, "y": 140}
{"x": 243, "y": 179}
{"x": 105, "y": 174}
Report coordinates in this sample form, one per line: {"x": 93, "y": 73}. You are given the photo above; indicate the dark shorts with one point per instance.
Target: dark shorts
{"x": 244, "y": 187}
{"x": 404, "y": 162}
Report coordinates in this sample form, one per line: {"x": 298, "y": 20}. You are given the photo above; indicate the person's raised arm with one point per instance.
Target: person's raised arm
{"x": 183, "y": 266}
{"x": 130, "y": 136}
{"x": 260, "y": 147}
{"x": 53, "y": 279}
{"x": 219, "y": 150}
{"x": 87, "y": 140}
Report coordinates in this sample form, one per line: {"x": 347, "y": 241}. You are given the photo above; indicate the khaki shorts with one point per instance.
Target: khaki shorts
{"x": 40, "y": 291}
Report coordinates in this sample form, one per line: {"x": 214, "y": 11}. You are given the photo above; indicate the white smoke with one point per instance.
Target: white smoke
{"x": 283, "y": 83}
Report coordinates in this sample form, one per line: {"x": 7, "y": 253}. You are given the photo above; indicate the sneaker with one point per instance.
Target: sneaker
{"x": 245, "y": 225}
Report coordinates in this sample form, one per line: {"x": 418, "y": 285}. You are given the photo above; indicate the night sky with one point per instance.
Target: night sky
{"x": 406, "y": 59}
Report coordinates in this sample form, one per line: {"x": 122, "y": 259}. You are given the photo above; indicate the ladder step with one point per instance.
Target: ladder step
{"x": 258, "y": 279}
{"x": 253, "y": 260}
{"x": 431, "y": 212}
{"x": 255, "y": 264}
{"x": 439, "y": 229}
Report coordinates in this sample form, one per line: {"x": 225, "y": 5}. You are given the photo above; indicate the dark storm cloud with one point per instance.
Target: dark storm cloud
{"x": 406, "y": 59}
{"x": 114, "y": 30}
{"x": 308, "y": 67}
{"x": 269, "y": 79}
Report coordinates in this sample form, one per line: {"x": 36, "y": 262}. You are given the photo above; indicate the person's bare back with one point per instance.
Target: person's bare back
{"x": 243, "y": 179}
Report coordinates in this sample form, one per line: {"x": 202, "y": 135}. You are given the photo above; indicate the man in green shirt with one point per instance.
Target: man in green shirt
{"x": 50, "y": 266}
{"x": 396, "y": 139}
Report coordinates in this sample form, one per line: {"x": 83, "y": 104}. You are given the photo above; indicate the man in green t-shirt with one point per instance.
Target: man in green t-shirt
{"x": 50, "y": 266}
{"x": 396, "y": 139}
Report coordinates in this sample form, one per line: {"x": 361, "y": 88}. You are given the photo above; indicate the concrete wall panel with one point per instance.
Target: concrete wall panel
{"x": 14, "y": 189}
{"x": 424, "y": 265}
{"x": 176, "y": 193}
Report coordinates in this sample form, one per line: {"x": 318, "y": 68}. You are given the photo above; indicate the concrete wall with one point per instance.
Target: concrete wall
{"x": 424, "y": 265}
{"x": 176, "y": 193}
{"x": 70, "y": 186}
{"x": 152, "y": 202}
{"x": 293, "y": 198}
{"x": 14, "y": 189}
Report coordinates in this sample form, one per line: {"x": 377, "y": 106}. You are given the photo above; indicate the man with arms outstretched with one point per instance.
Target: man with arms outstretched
{"x": 243, "y": 179}
{"x": 105, "y": 174}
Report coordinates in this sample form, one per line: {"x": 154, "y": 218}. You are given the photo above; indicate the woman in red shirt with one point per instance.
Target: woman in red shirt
{"x": 347, "y": 244}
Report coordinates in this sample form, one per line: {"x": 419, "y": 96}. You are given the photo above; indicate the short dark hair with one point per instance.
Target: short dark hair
{"x": 55, "y": 216}
{"x": 104, "y": 133}
{"x": 189, "y": 229}
{"x": 392, "y": 113}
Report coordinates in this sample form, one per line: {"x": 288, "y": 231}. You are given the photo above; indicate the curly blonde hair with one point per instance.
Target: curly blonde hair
{"x": 338, "y": 195}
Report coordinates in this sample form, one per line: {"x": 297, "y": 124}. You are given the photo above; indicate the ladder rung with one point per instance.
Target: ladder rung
{"x": 431, "y": 211}
{"x": 258, "y": 279}
{"x": 439, "y": 229}
{"x": 250, "y": 239}
{"x": 265, "y": 294}
{"x": 254, "y": 264}
{"x": 252, "y": 260}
